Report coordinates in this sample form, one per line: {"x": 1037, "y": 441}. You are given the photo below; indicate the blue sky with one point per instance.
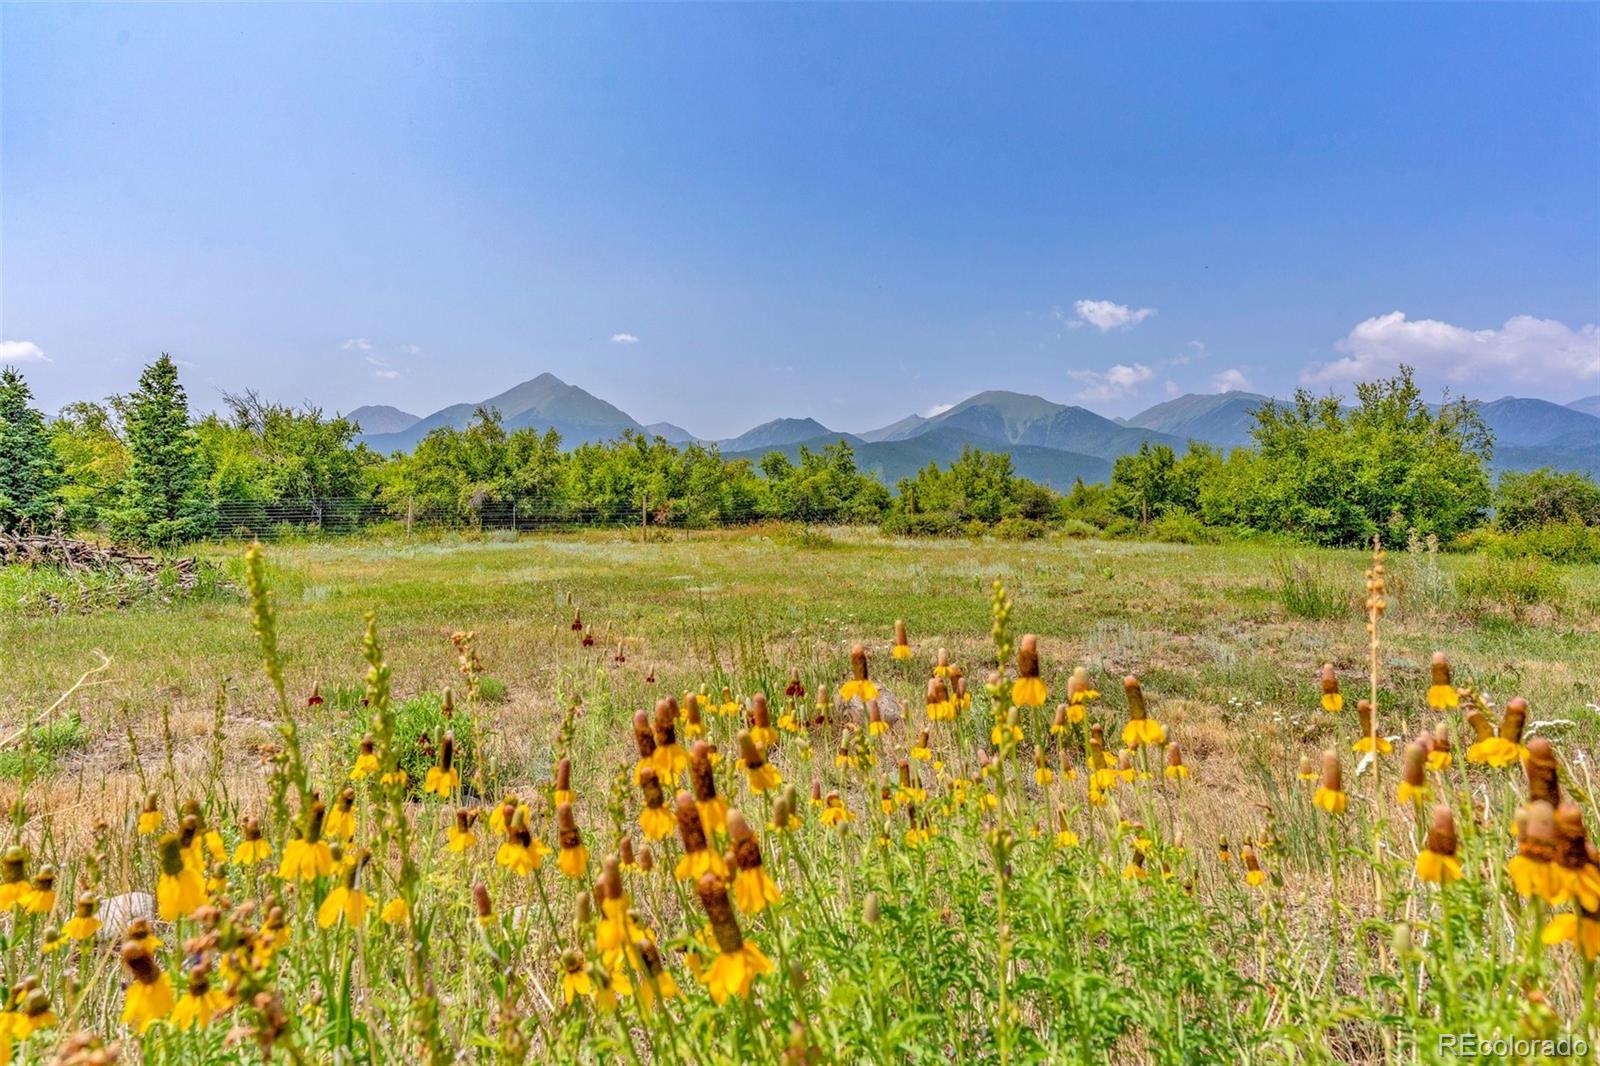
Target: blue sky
{"x": 720, "y": 215}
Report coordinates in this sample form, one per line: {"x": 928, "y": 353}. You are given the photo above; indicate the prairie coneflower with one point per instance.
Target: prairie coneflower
{"x": 1437, "y": 861}
{"x": 1080, "y": 693}
{"x": 1582, "y": 928}
{"x": 83, "y": 924}
{"x": 876, "y": 726}
{"x": 200, "y": 1002}
{"x": 1439, "y": 757}
{"x": 859, "y": 687}
{"x": 922, "y": 751}
{"x": 1308, "y": 769}
{"x": 1332, "y": 700}
{"x": 32, "y": 1012}
{"x": 698, "y": 860}
{"x": 395, "y": 912}
{"x": 1042, "y": 774}
{"x": 1502, "y": 749}
{"x": 645, "y": 740}
{"x": 693, "y": 724}
{"x": 654, "y": 819}
{"x": 1008, "y": 733}
{"x": 1330, "y": 795}
{"x": 1442, "y": 694}
{"x": 461, "y": 836}
{"x": 1254, "y": 876}
{"x": 1531, "y": 868}
{"x": 1065, "y": 837}
{"x": 574, "y": 857}
{"x": 713, "y": 808}
{"x": 41, "y": 895}
{"x": 671, "y": 760}
{"x": 940, "y": 707}
{"x": 1413, "y": 787}
{"x": 563, "y": 792}
{"x": 1140, "y": 729}
{"x": 149, "y": 815}
{"x": 794, "y": 689}
{"x": 1224, "y": 852}
{"x": 616, "y": 931}
{"x": 443, "y": 777}
{"x": 1175, "y": 768}
{"x": 1575, "y": 868}
{"x": 180, "y": 891}
{"x": 739, "y": 962}
{"x": 149, "y": 995}
{"x": 655, "y": 980}
{"x": 347, "y": 902}
{"x": 958, "y": 690}
{"x": 1028, "y": 690}
{"x": 728, "y": 706}
{"x": 834, "y": 812}
{"x": 761, "y": 730}
{"x": 521, "y": 852}
{"x": 366, "y": 763}
{"x": 575, "y": 982}
{"x": 1543, "y": 772}
{"x": 308, "y": 856}
{"x": 1370, "y": 741}
{"x": 252, "y": 848}
{"x": 902, "y": 647}
{"x": 341, "y": 821}
{"x": 753, "y": 889}
{"x": 762, "y": 775}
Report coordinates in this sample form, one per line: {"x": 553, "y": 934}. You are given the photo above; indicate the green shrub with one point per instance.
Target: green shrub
{"x": 1305, "y": 590}
{"x": 1511, "y": 584}
{"x": 41, "y": 749}
{"x": 491, "y": 690}
{"x": 1018, "y": 529}
{"x": 1178, "y": 526}
{"x": 419, "y": 725}
{"x": 1078, "y": 529}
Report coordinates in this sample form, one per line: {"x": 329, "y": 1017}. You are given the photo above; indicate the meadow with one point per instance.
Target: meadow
{"x": 1001, "y": 881}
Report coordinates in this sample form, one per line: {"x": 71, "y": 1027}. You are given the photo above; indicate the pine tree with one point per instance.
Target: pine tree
{"x": 29, "y": 471}
{"x": 164, "y": 498}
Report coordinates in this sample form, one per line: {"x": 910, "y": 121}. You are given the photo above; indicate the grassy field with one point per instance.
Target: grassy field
{"x": 1226, "y": 640}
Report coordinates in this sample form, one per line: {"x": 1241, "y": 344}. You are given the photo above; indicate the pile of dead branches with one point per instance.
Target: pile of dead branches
{"x": 83, "y": 556}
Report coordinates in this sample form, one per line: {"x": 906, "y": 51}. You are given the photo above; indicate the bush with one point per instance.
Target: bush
{"x": 1542, "y": 497}
{"x": 1078, "y": 529}
{"x": 419, "y": 725}
{"x": 1018, "y": 529}
{"x": 1494, "y": 582}
{"x": 1305, "y": 590}
{"x": 1181, "y": 527}
{"x": 41, "y": 749}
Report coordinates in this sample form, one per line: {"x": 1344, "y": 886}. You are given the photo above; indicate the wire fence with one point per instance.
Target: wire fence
{"x": 273, "y": 519}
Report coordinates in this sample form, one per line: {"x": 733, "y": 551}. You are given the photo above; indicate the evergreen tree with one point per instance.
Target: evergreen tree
{"x": 29, "y": 472}
{"x": 164, "y": 499}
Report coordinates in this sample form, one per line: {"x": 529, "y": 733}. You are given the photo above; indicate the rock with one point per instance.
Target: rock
{"x": 117, "y": 911}
{"x": 890, "y": 709}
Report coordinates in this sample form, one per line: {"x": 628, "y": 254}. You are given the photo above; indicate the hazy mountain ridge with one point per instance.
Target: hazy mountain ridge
{"x": 381, "y": 418}
{"x": 1050, "y": 442}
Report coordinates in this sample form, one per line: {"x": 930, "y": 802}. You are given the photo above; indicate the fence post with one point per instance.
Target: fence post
{"x": 513, "y": 518}
{"x": 411, "y": 512}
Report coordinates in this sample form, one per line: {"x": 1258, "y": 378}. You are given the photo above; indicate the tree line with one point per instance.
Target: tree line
{"x": 140, "y": 467}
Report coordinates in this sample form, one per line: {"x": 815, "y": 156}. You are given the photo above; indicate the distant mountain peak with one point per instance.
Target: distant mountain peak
{"x": 672, "y": 433}
{"x": 776, "y": 434}
{"x": 382, "y": 418}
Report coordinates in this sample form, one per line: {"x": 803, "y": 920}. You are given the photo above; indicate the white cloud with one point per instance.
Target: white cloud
{"x": 1172, "y": 388}
{"x": 357, "y": 344}
{"x": 411, "y": 349}
{"x": 382, "y": 370}
{"x": 1111, "y": 384}
{"x": 624, "y": 338}
{"x": 1106, "y": 316}
{"x": 22, "y": 352}
{"x": 937, "y": 409}
{"x": 1230, "y": 380}
{"x": 1525, "y": 351}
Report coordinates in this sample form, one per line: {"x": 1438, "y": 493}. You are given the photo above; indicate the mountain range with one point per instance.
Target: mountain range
{"x": 1049, "y": 442}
